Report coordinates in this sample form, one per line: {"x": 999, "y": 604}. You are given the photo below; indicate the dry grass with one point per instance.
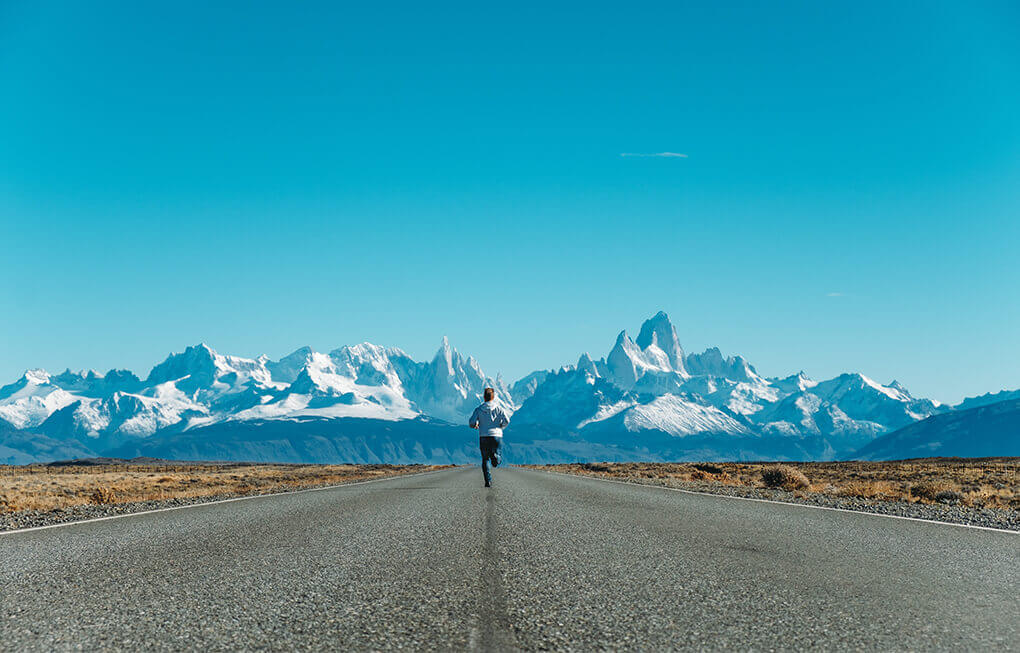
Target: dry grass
{"x": 980, "y": 483}
{"x": 42, "y": 487}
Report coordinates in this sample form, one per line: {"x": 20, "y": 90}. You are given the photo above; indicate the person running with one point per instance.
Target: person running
{"x": 490, "y": 419}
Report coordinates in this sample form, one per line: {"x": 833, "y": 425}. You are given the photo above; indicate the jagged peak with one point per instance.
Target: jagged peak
{"x": 799, "y": 376}
{"x": 300, "y": 352}
{"x": 115, "y": 373}
{"x": 361, "y": 349}
{"x": 184, "y": 363}
{"x": 586, "y": 365}
{"x": 36, "y": 375}
{"x": 659, "y": 320}
{"x": 200, "y": 348}
{"x": 659, "y": 332}
{"x": 445, "y": 351}
{"x": 710, "y": 351}
{"x": 857, "y": 378}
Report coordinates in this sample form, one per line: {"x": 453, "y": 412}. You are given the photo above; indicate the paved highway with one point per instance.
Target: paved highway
{"x": 541, "y": 561}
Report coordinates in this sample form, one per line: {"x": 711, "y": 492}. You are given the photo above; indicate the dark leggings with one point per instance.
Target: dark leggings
{"x": 490, "y": 447}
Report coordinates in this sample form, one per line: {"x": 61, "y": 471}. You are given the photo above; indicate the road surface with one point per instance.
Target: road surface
{"x": 435, "y": 561}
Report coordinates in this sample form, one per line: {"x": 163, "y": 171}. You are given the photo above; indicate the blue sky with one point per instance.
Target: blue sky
{"x": 261, "y": 178}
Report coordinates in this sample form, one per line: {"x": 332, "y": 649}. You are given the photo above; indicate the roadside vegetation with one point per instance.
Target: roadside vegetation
{"x": 56, "y": 487}
{"x": 973, "y": 482}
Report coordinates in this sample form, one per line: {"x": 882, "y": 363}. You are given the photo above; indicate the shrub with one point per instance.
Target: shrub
{"x": 595, "y": 467}
{"x": 102, "y": 496}
{"x": 785, "y": 477}
{"x": 929, "y": 490}
{"x": 949, "y": 496}
{"x": 708, "y": 468}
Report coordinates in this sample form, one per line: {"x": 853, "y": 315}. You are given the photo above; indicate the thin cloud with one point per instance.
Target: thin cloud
{"x": 834, "y": 294}
{"x": 662, "y": 155}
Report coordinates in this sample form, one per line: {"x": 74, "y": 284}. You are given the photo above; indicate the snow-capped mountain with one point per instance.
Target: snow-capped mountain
{"x": 649, "y": 384}
{"x": 200, "y": 387}
{"x": 27, "y": 402}
{"x": 646, "y": 399}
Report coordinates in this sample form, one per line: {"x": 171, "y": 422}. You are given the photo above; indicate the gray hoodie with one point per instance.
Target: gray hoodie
{"x": 490, "y": 418}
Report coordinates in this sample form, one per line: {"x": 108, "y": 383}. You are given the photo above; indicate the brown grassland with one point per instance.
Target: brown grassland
{"x": 48, "y": 487}
{"x": 980, "y": 483}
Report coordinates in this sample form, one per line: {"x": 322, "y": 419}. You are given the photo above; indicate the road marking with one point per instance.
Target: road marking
{"x": 209, "y": 503}
{"x": 781, "y": 503}
{"x": 493, "y": 632}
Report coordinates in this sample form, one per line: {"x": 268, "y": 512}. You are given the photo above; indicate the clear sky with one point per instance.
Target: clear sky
{"x": 265, "y": 177}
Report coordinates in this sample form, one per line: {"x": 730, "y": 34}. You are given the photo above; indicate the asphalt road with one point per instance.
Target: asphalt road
{"x": 540, "y": 561}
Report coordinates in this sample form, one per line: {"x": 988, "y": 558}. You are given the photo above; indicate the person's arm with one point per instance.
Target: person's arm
{"x": 504, "y": 420}
{"x": 473, "y": 421}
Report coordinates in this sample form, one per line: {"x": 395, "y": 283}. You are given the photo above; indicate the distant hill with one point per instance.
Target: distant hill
{"x": 989, "y": 430}
{"x": 986, "y": 399}
{"x": 20, "y": 447}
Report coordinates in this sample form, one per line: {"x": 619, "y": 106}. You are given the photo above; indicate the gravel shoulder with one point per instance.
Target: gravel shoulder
{"x": 1000, "y": 518}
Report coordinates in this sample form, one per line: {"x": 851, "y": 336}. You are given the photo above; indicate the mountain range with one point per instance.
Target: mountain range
{"x": 646, "y": 399}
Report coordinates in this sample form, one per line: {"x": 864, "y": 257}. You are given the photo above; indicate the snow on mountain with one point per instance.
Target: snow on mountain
{"x": 848, "y": 411}
{"x": 357, "y": 381}
{"x": 712, "y": 363}
{"x": 287, "y": 368}
{"x": 93, "y": 384}
{"x": 649, "y": 384}
{"x": 211, "y": 378}
{"x": 450, "y": 386}
{"x": 806, "y": 414}
{"x": 646, "y": 399}
{"x": 122, "y": 416}
{"x": 573, "y": 397}
{"x": 798, "y": 382}
{"x": 864, "y": 399}
{"x": 658, "y": 340}
{"x": 522, "y": 389}
{"x": 637, "y": 387}
{"x": 27, "y": 402}
{"x": 627, "y": 362}
{"x": 741, "y": 398}
{"x": 370, "y": 381}
{"x": 680, "y": 416}
{"x": 200, "y": 387}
